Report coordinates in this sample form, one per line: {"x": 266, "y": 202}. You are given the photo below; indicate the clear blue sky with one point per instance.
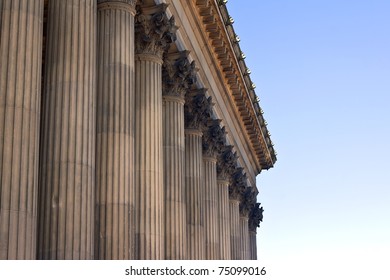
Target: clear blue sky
{"x": 322, "y": 70}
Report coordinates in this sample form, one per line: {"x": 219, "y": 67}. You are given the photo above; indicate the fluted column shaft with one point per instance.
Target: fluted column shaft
{"x": 223, "y": 221}
{"x": 20, "y": 93}
{"x": 173, "y": 142}
{"x": 149, "y": 158}
{"x": 194, "y": 194}
{"x": 211, "y": 208}
{"x": 114, "y": 213}
{"x": 235, "y": 241}
{"x": 244, "y": 238}
{"x": 252, "y": 245}
{"x": 154, "y": 33}
{"x": 67, "y": 148}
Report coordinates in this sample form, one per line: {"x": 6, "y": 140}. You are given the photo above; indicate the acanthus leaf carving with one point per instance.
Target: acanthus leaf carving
{"x": 246, "y": 203}
{"x": 214, "y": 137}
{"x": 238, "y": 184}
{"x": 197, "y": 109}
{"x": 226, "y": 162}
{"x": 154, "y": 32}
{"x": 255, "y": 217}
{"x": 178, "y": 74}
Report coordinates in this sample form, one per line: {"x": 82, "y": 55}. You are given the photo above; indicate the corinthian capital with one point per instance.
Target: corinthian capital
{"x": 226, "y": 162}
{"x": 154, "y": 32}
{"x": 213, "y": 138}
{"x": 197, "y": 109}
{"x": 238, "y": 184}
{"x": 255, "y": 217}
{"x": 178, "y": 74}
{"x": 246, "y": 203}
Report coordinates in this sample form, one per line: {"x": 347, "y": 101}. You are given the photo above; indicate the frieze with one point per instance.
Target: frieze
{"x": 154, "y": 32}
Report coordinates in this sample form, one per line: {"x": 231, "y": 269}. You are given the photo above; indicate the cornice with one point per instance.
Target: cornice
{"x": 217, "y": 25}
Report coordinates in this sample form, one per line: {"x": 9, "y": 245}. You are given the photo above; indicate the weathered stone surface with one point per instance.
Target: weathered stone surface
{"x": 197, "y": 109}
{"x": 255, "y": 217}
{"x": 213, "y": 138}
{"x": 115, "y": 197}
{"x": 235, "y": 234}
{"x": 237, "y": 184}
{"x": 226, "y": 163}
{"x": 211, "y": 208}
{"x": 244, "y": 253}
{"x": 154, "y": 32}
{"x": 68, "y": 133}
{"x": 194, "y": 189}
{"x": 20, "y": 95}
{"x": 174, "y": 176}
{"x": 223, "y": 220}
{"x": 178, "y": 74}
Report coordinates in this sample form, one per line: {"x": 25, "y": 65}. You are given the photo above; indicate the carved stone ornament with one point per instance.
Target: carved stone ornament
{"x": 197, "y": 109}
{"x": 178, "y": 74}
{"x": 238, "y": 184}
{"x": 255, "y": 217}
{"x": 154, "y": 32}
{"x": 226, "y": 162}
{"x": 246, "y": 202}
{"x": 214, "y": 138}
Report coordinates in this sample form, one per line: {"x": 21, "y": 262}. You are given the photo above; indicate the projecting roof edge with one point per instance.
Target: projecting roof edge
{"x": 217, "y": 24}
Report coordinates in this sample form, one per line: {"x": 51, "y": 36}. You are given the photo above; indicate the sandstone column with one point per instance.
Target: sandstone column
{"x": 20, "y": 94}
{"x": 213, "y": 140}
{"x": 211, "y": 207}
{"x": 225, "y": 166}
{"x": 252, "y": 245}
{"x": 248, "y": 201}
{"x": 223, "y": 221}
{"x": 236, "y": 190}
{"x": 244, "y": 236}
{"x": 114, "y": 212}
{"x": 178, "y": 76}
{"x": 67, "y": 148}
{"x": 197, "y": 111}
{"x": 234, "y": 228}
{"x": 154, "y": 33}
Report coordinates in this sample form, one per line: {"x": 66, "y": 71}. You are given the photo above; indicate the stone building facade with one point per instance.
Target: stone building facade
{"x": 128, "y": 130}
